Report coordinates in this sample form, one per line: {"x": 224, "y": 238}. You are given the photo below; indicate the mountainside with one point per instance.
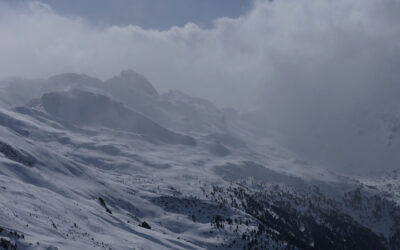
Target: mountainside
{"x": 85, "y": 108}
{"x": 91, "y": 164}
{"x": 174, "y": 109}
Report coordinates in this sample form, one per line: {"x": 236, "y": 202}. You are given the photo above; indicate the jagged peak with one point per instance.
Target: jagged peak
{"x": 134, "y": 79}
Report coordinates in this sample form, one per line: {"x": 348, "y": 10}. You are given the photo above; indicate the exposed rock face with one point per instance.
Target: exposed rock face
{"x": 14, "y": 155}
{"x": 82, "y": 169}
{"x": 174, "y": 109}
{"x": 132, "y": 89}
{"x": 145, "y": 225}
{"x": 86, "y": 108}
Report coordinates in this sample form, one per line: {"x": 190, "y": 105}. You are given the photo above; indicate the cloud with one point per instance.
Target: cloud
{"x": 37, "y": 42}
{"x": 310, "y": 65}
{"x": 240, "y": 55}
{"x": 333, "y": 81}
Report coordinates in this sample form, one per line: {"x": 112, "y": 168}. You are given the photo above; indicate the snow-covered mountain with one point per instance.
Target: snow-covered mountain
{"x": 91, "y": 164}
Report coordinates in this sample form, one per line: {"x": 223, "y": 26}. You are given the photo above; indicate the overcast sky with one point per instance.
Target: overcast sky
{"x": 149, "y": 14}
{"x": 310, "y": 65}
{"x": 230, "y": 60}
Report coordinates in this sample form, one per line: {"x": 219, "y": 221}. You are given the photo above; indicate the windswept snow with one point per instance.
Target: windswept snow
{"x": 83, "y": 168}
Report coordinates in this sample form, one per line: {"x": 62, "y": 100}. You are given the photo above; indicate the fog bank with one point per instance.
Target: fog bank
{"x": 324, "y": 74}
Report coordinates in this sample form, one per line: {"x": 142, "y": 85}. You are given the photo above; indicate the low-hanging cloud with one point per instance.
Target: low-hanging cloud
{"x": 317, "y": 69}
{"x": 37, "y": 42}
{"x": 274, "y": 42}
{"x": 333, "y": 84}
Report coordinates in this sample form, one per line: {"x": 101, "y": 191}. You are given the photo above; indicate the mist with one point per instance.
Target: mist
{"x": 274, "y": 128}
{"x": 332, "y": 91}
{"x": 322, "y": 74}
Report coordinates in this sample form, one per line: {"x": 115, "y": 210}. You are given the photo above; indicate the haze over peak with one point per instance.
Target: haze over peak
{"x": 274, "y": 128}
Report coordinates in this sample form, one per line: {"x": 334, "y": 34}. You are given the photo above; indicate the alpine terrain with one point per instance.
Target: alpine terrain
{"x": 93, "y": 164}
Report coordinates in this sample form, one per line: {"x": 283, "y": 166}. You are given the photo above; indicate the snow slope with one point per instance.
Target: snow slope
{"x": 82, "y": 169}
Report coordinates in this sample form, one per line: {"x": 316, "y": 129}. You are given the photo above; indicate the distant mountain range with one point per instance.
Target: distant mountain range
{"x": 91, "y": 164}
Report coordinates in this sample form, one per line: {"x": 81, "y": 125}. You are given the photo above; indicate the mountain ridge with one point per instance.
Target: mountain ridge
{"x": 73, "y": 176}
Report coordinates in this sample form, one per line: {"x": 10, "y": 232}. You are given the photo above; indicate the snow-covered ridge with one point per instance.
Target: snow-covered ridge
{"x": 82, "y": 169}
{"x": 174, "y": 109}
{"x": 85, "y": 108}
